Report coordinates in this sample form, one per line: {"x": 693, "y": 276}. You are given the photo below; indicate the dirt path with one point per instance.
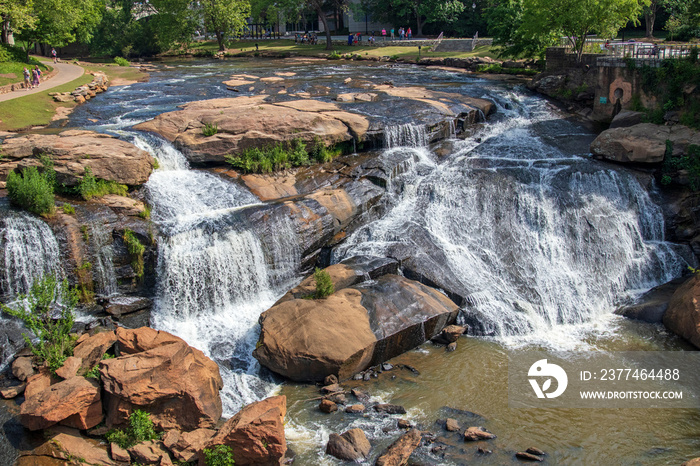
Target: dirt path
{"x": 66, "y": 73}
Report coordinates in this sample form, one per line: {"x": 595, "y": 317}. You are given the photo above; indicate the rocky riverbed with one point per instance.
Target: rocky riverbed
{"x": 437, "y": 217}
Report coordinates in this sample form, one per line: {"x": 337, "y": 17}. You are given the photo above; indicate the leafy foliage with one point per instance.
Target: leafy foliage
{"x": 90, "y": 186}
{"x": 140, "y": 429}
{"x": 220, "y": 455}
{"x": 210, "y": 129}
{"x": 689, "y": 162}
{"x": 47, "y": 312}
{"x": 281, "y": 156}
{"x": 224, "y": 17}
{"x": 121, "y": 61}
{"x": 324, "y": 284}
{"x": 136, "y": 250}
{"x": 68, "y": 209}
{"x": 32, "y": 190}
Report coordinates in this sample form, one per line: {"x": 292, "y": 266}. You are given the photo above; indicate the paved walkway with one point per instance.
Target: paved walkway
{"x": 66, "y": 73}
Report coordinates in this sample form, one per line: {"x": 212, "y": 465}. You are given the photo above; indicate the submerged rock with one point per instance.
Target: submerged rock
{"x": 399, "y": 451}
{"x": 349, "y": 446}
{"x": 352, "y": 329}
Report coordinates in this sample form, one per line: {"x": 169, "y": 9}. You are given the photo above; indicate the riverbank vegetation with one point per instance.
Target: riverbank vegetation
{"x": 282, "y": 156}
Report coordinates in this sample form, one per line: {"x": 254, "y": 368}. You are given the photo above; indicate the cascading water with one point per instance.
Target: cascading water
{"x": 103, "y": 268}
{"x": 532, "y": 237}
{"x": 406, "y": 135}
{"x": 28, "y": 250}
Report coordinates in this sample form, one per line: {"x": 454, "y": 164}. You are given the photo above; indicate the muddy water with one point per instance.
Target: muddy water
{"x": 470, "y": 385}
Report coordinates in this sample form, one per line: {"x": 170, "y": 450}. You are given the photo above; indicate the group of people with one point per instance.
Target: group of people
{"x": 403, "y": 34}
{"x": 307, "y": 38}
{"x": 32, "y": 78}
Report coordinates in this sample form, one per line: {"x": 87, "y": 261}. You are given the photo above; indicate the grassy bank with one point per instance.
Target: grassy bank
{"x": 35, "y": 109}
{"x": 11, "y": 72}
{"x": 247, "y": 47}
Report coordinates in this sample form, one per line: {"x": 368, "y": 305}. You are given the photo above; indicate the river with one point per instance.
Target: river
{"x": 541, "y": 241}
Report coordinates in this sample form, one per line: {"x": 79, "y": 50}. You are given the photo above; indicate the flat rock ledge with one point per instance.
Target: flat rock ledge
{"x": 72, "y": 151}
{"x": 644, "y": 143}
{"x": 352, "y": 329}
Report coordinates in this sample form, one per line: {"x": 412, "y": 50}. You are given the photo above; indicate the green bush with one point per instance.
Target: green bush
{"x": 489, "y": 68}
{"x": 145, "y": 213}
{"x": 140, "y": 429}
{"x": 47, "y": 312}
{"x": 32, "y": 190}
{"x": 324, "y": 284}
{"x": 280, "y": 156}
{"x": 220, "y": 455}
{"x": 334, "y": 55}
{"x": 68, "y": 209}
{"x": 121, "y": 61}
{"x": 210, "y": 129}
{"x": 136, "y": 250}
{"x": 90, "y": 186}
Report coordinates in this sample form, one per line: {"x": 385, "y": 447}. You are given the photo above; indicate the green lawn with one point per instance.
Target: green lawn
{"x": 112, "y": 70}
{"x": 35, "y": 109}
{"x": 288, "y": 45}
{"x": 11, "y": 72}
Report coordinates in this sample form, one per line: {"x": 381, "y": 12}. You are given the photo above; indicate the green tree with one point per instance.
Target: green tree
{"x": 650, "y": 12}
{"x": 15, "y": 16}
{"x": 545, "y": 21}
{"x": 224, "y": 17}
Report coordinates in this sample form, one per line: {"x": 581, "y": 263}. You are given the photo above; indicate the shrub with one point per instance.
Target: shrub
{"x": 47, "y": 312}
{"x": 136, "y": 250}
{"x": 324, "y": 284}
{"x": 319, "y": 152}
{"x": 68, "y": 209}
{"x": 220, "y": 455}
{"x": 90, "y": 186}
{"x": 334, "y": 55}
{"x": 210, "y": 129}
{"x": 272, "y": 158}
{"x": 121, "y": 61}
{"x": 140, "y": 429}
{"x": 145, "y": 213}
{"x": 31, "y": 190}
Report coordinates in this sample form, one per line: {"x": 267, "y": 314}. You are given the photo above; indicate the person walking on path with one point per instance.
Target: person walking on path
{"x": 392, "y": 34}
{"x": 408, "y": 34}
{"x": 383, "y": 34}
{"x": 27, "y": 78}
{"x": 54, "y": 55}
{"x": 37, "y": 76}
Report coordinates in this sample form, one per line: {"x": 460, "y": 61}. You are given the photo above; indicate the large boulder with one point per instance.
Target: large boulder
{"x": 160, "y": 373}
{"x": 245, "y": 122}
{"x": 349, "y": 446}
{"x": 644, "y": 143}
{"x": 683, "y": 314}
{"x": 75, "y": 401}
{"x": 307, "y": 340}
{"x": 256, "y": 433}
{"x": 399, "y": 451}
{"x": 72, "y": 151}
{"x": 91, "y": 349}
{"x": 652, "y": 305}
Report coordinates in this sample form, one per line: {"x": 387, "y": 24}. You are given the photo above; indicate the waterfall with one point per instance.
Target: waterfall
{"x": 407, "y": 135}
{"x": 103, "y": 268}
{"x": 533, "y": 237}
{"x": 28, "y": 250}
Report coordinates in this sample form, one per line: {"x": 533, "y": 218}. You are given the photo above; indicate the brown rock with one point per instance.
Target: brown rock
{"x": 643, "y": 143}
{"x": 121, "y": 205}
{"x": 186, "y": 446}
{"x": 327, "y": 406}
{"x": 360, "y": 395}
{"x": 119, "y": 454}
{"x": 452, "y": 332}
{"x": 109, "y": 158}
{"x": 13, "y": 391}
{"x": 72, "y": 445}
{"x": 451, "y": 347}
{"x": 245, "y": 122}
{"x": 693, "y": 462}
{"x": 256, "y": 433}
{"x": 93, "y": 348}
{"x": 338, "y": 398}
{"x": 355, "y": 409}
{"x": 683, "y": 314}
{"x": 38, "y": 383}
{"x": 333, "y": 388}
{"x": 404, "y": 424}
{"x": 87, "y": 418}
{"x": 523, "y": 455}
{"x": 59, "y": 402}
{"x": 150, "y": 452}
{"x": 477, "y": 433}
{"x": 399, "y": 451}
{"x": 23, "y": 368}
{"x": 307, "y": 340}
{"x": 389, "y": 408}
{"x": 330, "y": 380}
{"x": 535, "y": 451}
{"x": 69, "y": 368}
{"x": 177, "y": 384}
{"x": 349, "y": 446}
{"x": 451, "y": 425}
{"x": 127, "y": 304}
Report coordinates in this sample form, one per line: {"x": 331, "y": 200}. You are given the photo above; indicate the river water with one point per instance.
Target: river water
{"x": 541, "y": 242}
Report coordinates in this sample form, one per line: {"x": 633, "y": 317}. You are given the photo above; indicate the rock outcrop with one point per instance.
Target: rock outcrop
{"x": 72, "y": 151}
{"x": 160, "y": 373}
{"x": 352, "y": 329}
{"x": 256, "y": 433}
{"x": 643, "y": 143}
{"x": 399, "y": 451}
{"x": 74, "y": 401}
{"x": 683, "y": 314}
{"x": 349, "y": 446}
